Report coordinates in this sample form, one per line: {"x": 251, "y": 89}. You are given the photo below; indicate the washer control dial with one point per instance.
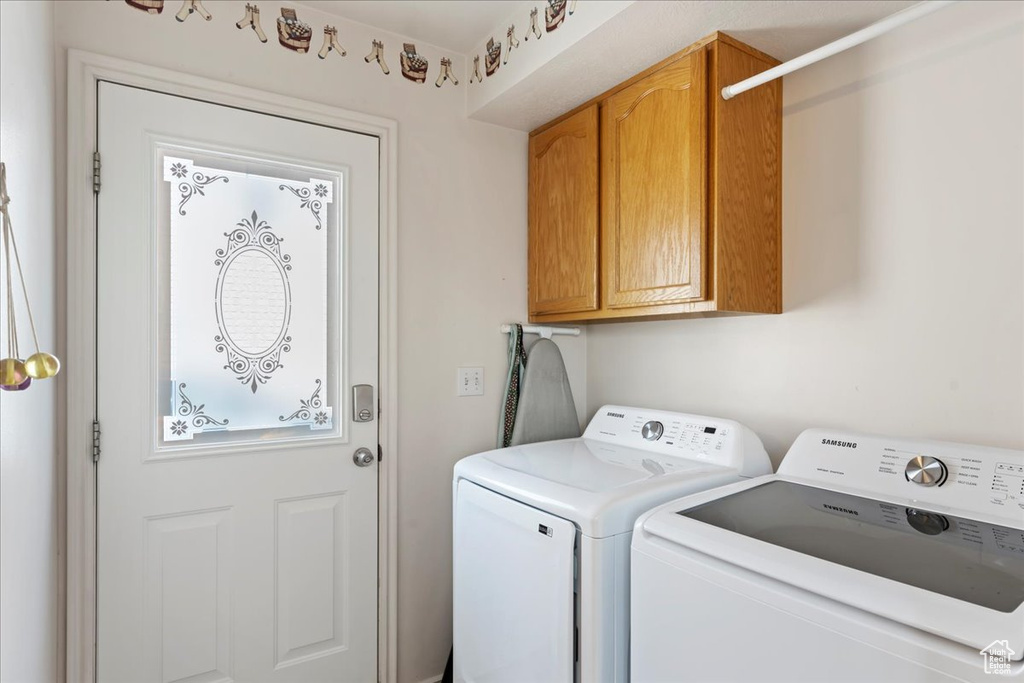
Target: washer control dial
{"x": 653, "y": 430}
{"x": 926, "y": 471}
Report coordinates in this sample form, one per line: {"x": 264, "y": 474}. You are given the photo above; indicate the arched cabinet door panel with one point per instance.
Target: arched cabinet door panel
{"x": 563, "y": 218}
{"x": 654, "y": 182}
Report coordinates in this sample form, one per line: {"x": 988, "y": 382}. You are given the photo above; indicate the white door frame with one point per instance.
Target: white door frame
{"x": 85, "y": 70}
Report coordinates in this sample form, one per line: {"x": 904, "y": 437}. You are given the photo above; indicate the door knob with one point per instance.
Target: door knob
{"x": 363, "y": 457}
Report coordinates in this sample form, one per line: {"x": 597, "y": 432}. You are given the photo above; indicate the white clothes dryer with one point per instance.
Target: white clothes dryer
{"x": 865, "y": 558}
{"x": 542, "y": 536}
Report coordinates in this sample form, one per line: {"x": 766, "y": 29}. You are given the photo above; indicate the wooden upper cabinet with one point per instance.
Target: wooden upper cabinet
{"x": 563, "y": 206}
{"x": 687, "y": 219}
{"x": 653, "y": 157}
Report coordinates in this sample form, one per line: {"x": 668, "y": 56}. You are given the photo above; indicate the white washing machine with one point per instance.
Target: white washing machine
{"x": 542, "y": 534}
{"x": 864, "y": 559}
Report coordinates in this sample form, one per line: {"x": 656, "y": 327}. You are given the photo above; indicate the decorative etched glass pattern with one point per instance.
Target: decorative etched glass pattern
{"x": 253, "y": 301}
{"x": 248, "y": 301}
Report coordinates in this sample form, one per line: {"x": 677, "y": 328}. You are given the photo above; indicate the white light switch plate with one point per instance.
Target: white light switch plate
{"x": 470, "y": 382}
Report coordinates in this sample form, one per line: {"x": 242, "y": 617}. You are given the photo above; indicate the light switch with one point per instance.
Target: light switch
{"x": 470, "y": 382}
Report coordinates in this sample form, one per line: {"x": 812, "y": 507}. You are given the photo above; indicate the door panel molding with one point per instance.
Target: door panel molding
{"x": 325, "y": 547}
{"x": 85, "y": 71}
{"x": 175, "y": 541}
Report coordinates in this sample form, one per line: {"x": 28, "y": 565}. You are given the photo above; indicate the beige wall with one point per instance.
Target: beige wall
{"x": 29, "y": 507}
{"x": 462, "y": 252}
{"x": 904, "y": 262}
{"x": 903, "y": 241}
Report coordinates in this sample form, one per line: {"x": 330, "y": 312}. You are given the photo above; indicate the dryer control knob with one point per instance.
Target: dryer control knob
{"x": 926, "y": 471}
{"x": 653, "y": 430}
{"x": 931, "y": 523}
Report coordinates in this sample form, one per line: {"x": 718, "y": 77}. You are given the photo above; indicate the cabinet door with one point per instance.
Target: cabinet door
{"x": 563, "y": 216}
{"x": 653, "y": 160}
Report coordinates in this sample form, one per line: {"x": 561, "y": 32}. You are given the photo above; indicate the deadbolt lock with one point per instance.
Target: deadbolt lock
{"x": 362, "y": 403}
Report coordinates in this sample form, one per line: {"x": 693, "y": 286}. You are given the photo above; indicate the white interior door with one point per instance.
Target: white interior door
{"x": 237, "y": 309}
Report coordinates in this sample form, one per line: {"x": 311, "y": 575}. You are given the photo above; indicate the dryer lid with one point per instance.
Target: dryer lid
{"x": 591, "y": 466}
{"x": 601, "y": 487}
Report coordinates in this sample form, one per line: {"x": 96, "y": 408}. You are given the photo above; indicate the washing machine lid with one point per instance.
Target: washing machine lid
{"x": 957, "y": 577}
{"x": 601, "y": 487}
{"x": 973, "y": 561}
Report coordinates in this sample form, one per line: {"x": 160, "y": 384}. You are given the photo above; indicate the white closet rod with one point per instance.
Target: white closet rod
{"x": 544, "y": 330}
{"x": 865, "y": 34}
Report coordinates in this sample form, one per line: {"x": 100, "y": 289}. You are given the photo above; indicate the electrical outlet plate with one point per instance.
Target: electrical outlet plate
{"x": 470, "y": 382}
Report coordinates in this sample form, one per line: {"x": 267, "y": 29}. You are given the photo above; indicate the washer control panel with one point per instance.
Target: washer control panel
{"x": 933, "y": 473}
{"x": 698, "y": 437}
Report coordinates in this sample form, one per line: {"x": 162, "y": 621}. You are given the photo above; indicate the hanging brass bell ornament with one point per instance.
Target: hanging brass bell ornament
{"x": 42, "y": 365}
{"x": 12, "y": 372}
{"x": 19, "y": 387}
{"x": 15, "y": 374}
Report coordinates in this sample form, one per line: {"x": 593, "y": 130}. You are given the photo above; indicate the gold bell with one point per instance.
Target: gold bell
{"x": 42, "y": 365}
{"x": 16, "y": 374}
{"x": 12, "y": 372}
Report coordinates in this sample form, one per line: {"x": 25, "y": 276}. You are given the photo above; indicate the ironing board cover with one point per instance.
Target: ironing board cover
{"x": 510, "y": 402}
{"x": 546, "y": 411}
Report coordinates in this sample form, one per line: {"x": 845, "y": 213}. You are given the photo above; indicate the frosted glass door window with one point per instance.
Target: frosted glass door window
{"x": 249, "y": 291}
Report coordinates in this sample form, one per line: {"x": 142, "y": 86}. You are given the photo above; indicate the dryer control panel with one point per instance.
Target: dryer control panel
{"x": 952, "y": 476}
{"x": 696, "y": 437}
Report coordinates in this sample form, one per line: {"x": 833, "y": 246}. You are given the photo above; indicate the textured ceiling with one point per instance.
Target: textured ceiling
{"x": 784, "y": 28}
{"x": 650, "y": 30}
{"x": 642, "y": 34}
{"x": 456, "y": 25}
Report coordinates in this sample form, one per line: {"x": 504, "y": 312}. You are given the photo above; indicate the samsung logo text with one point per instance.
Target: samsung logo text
{"x": 839, "y": 509}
